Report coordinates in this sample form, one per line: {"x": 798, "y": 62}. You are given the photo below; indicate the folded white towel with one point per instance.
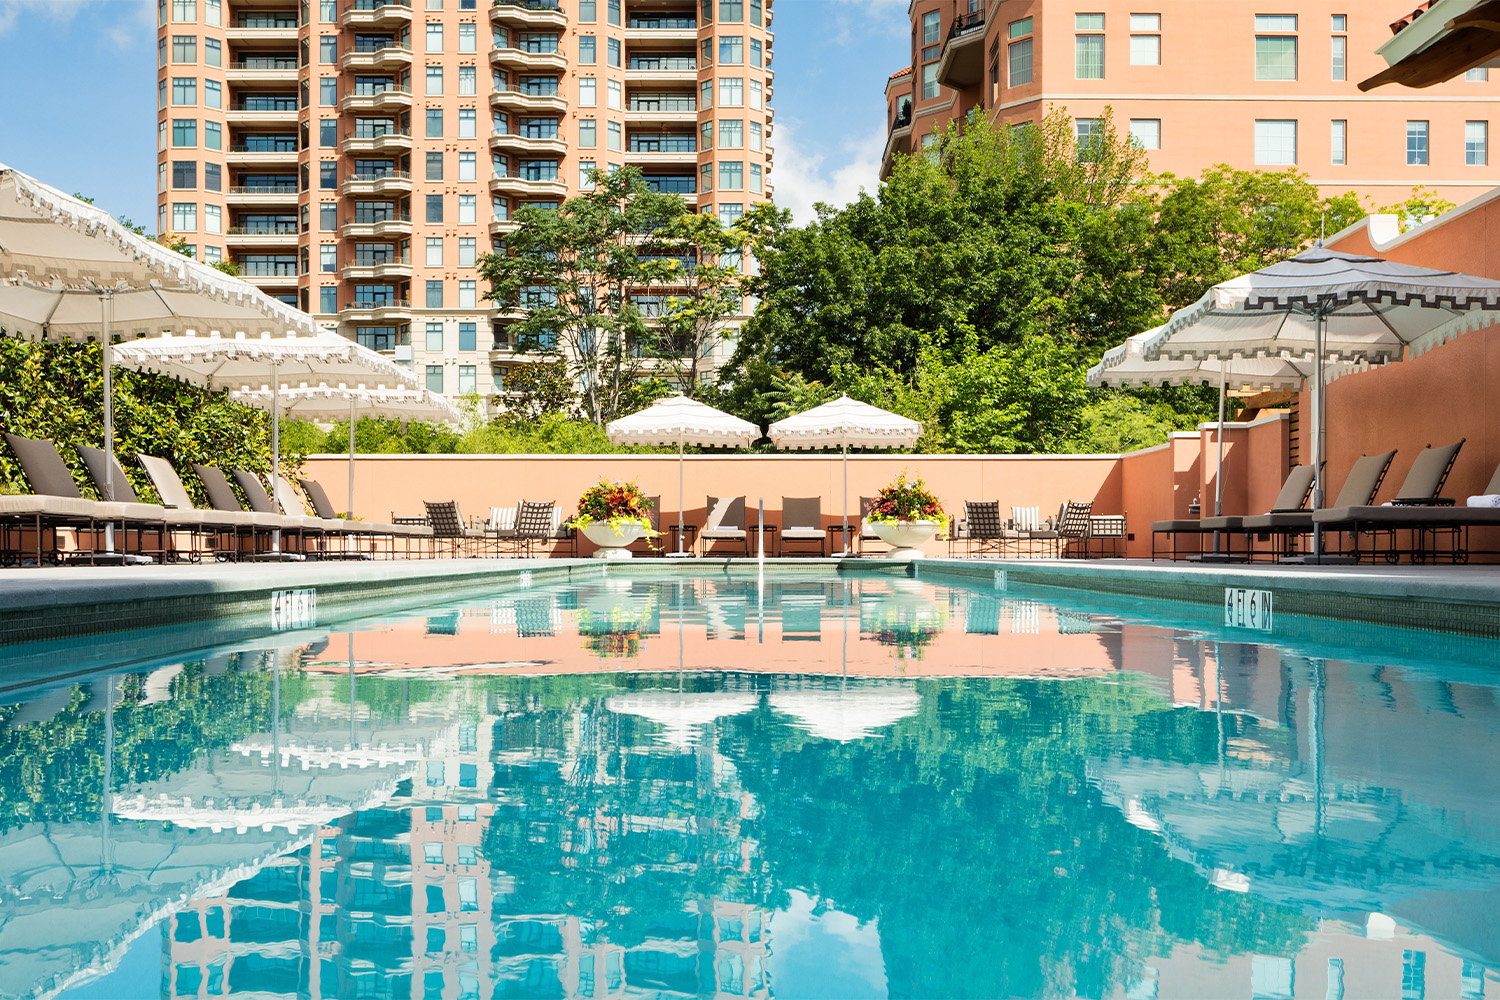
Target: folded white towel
{"x": 1487, "y": 500}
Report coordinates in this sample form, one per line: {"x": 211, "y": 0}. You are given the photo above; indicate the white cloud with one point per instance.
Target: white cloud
{"x": 854, "y": 19}
{"x": 805, "y": 176}
{"x": 138, "y": 21}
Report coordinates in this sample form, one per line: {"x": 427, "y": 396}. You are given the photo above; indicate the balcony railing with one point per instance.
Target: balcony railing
{"x": 376, "y": 220}
{"x": 380, "y": 175}
{"x": 663, "y": 22}
{"x": 376, "y": 133}
{"x": 288, "y": 145}
{"x": 265, "y": 62}
{"x": 380, "y": 260}
{"x": 664, "y": 143}
{"x": 266, "y": 21}
{"x": 378, "y": 304}
{"x": 268, "y": 269}
{"x": 366, "y": 46}
{"x": 966, "y": 23}
{"x": 265, "y": 188}
{"x": 369, "y": 5}
{"x": 663, "y": 62}
{"x": 901, "y": 120}
{"x": 547, "y": 5}
{"x": 662, "y": 102}
{"x": 266, "y": 104}
{"x": 376, "y": 91}
{"x": 265, "y": 229}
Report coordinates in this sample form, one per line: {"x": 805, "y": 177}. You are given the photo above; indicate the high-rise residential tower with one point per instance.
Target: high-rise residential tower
{"x": 1197, "y": 84}
{"x": 355, "y": 158}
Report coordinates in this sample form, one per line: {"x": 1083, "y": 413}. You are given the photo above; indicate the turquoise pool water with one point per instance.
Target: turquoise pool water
{"x": 711, "y": 787}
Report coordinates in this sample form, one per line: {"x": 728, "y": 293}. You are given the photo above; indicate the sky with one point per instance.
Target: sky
{"x": 80, "y": 106}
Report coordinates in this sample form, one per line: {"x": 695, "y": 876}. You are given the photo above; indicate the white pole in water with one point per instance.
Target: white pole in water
{"x": 760, "y": 534}
{"x": 275, "y": 451}
{"x": 681, "y": 497}
{"x": 351, "y": 456}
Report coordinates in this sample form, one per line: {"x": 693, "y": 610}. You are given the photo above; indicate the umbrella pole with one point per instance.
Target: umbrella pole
{"x": 275, "y": 452}
{"x": 105, "y": 354}
{"x": 1318, "y": 417}
{"x": 681, "y": 497}
{"x": 1219, "y": 465}
{"x": 351, "y": 457}
{"x": 845, "y": 442}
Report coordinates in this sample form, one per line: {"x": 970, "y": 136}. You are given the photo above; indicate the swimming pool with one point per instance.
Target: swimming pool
{"x": 810, "y": 786}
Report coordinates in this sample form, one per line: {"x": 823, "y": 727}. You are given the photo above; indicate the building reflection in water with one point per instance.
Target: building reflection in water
{"x": 473, "y": 803}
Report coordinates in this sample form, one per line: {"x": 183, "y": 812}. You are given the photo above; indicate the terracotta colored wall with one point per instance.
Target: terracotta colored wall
{"x": 387, "y": 484}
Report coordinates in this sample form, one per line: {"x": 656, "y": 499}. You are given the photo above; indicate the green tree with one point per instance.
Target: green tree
{"x": 537, "y": 389}
{"x": 573, "y": 274}
{"x": 1423, "y": 204}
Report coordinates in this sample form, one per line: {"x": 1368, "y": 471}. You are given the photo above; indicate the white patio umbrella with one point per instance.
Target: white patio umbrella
{"x": 1326, "y": 305}
{"x": 261, "y": 364}
{"x": 845, "y": 423}
{"x": 1127, "y": 365}
{"x": 70, "y": 271}
{"x": 682, "y": 421}
{"x": 344, "y": 402}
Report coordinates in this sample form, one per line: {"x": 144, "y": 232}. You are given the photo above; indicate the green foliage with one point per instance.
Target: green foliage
{"x": 548, "y": 434}
{"x": 906, "y": 500}
{"x": 1421, "y": 206}
{"x": 538, "y": 389}
{"x": 1118, "y": 422}
{"x": 56, "y": 391}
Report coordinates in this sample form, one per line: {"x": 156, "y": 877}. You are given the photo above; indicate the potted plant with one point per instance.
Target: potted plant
{"x": 905, "y": 514}
{"x": 612, "y": 515}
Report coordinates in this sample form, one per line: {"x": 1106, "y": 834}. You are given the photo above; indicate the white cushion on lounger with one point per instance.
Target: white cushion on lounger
{"x": 1485, "y": 500}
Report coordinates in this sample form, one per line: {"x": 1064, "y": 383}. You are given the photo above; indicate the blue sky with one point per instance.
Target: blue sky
{"x": 80, "y": 113}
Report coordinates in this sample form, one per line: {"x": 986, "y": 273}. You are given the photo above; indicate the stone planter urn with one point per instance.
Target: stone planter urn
{"x": 904, "y": 536}
{"x": 612, "y": 541}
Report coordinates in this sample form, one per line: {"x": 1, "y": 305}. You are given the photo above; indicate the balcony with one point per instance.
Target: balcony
{"x": 390, "y": 56}
{"x": 257, "y": 237}
{"x": 397, "y": 140}
{"x": 241, "y": 155}
{"x": 390, "y": 100}
{"x": 375, "y": 311}
{"x": 377, "y": 268}
{"x": 529, "y": 14}
{"x": 385, "y": 227}
{"x": 376, "y": 14}
{"x": 262, "y": 31}
{"x": 667, "y": 69}
{"x": 669, "y": 111}
{"x": 899, "y": 141}
{"x": 516, "y": 143}
{"x": 503, "y": 227}
{"x": 522, "y": 101}
{"x": 962, "y": 65}
{"x": 662, "y": 157}
{"x": 522, "y": 188}
{"x": 263, "y": 195}
{"x": 270, "y": 276}
{"x": 521, "y": 59}
{"x": 392, "y": 183}
{"x": 505, "y": 347}
{"x": 266, "y": 71}
{"x": 276, "y": 115}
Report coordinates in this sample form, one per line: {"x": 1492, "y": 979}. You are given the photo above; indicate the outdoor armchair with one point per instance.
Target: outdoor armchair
{"x": 449, "y": 528}
{"x": 985, "y": 527}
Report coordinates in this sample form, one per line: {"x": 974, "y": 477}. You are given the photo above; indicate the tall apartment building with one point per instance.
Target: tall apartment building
{"x": 1199, "y": 83}
{"x": 356, "y": 157}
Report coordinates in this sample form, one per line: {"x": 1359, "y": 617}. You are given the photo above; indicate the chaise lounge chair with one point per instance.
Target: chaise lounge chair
{"x": 1293, "y": 497}
{"x": 725, "y": 523}
{"x": 1416, "y": 502}
{"x": 55, "y": 504}
{"x": 802, "y": 521}
{"x": 1360, "y": 487}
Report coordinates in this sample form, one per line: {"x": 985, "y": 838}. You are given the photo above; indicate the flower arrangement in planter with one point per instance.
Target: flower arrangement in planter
{"x": 905, "y": 514}
{"x": 612, "y": 515}
{"x": 901, "y": 500}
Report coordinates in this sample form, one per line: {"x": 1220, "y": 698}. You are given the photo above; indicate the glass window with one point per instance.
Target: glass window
{"x": 213, "y": 94}
{"x": 1480, "y": 75}
{"x": 434, "y": 343}
{"x": 184, "y": 131}
{"x": 731, "y": 133}
{"x": 1276, "y": 22}
{"x": 1275, "y": 55}
{"x": 614, "y": 12}
{"x": 434, "y": 37}
{"x": 213, "y": 12}
{"x": 328, "y": 299}
{"x": 756, "y": 183}
{"x": 755, "y": 12}
{"x": 1146, "y": 132}
{"x": 586, "y": 170}
{"x": 328, "y": 49}
{"x": 731, "y": 10}
{"x": 587, "y": 133}
{"x": 1020, "y": 63}
{"x": 434, "y": 293}
{"x": 755, "y": 52}
{"x": 1339, "y": 67}
{"x": 434, "y": 123}
{"x": 328, "y": 11}
{"x": 435, "y": 378}
{"x": 1339, "y": 22}
{"x": 756, "y": 131}
{"x": 613, "y": 136}
{"x": 184, "y": 48}
{"x": 468, "y": 123}
{"x": 731, "y": 175}
{"x": 468, "y": 209}
{"x": 213, "y": 135}
{"x": 468, "y": 37}
{"x": 1145, "y": 22}
{"x": 932, "y": 26}
{"x": 1088, "y": 56}
{"x": 468, "y": 81}
{"x": 468, "y": 252}
{"x": 328, "y": 91}
{"x": 328, "y": 258}
{"x": 434, "y": 80}
{"x": 614, "y": 97}
{"x": 213, "y": 52}
{"x": 1275, "y": 143}
{"x": 328, "y": 216}
{"x": 1416, "y": 144}
{"x": 588, "y": 11}
{"x": 434, "y": 162}
{"x": 1088, "y": 22}
{"x": 730, "y": 213}
{"x": 328, "y": 176}
{"x": 706, "y": 89}
{"x": 1476, "y": 144}
{"x": 434, "y": 208}
{"x": 732, "y": 49}
{"x": 587, "y": 92}
{"x": 185, "y": 174}
{"x": 614, "y": 52}
{"x": 1084, "y": 130}
{"x": 468, "y": 166}
{"x": 731, "y": 92}
{"x": 185, "y": 90}
{"x": 588, "y": 50}
{"x": 161, "y": 52}
{"x": 1338, "y": 133}
{"x": 161, "y": 94}
{"x": 1145, "y": 50}
{"x": 467, "y": 299}
{"x": 213, "y": 178}
{"x": 184, "y": 216}
{"x": 1021, "y": 27}
{"x": 213, "y": 218}
{"x": 184, "y": 10}
{"x": 467, "y": 382}
{"x": 706, "y": 180}
{"x": 434, "y": 251}
{"x": 328, "y": 133}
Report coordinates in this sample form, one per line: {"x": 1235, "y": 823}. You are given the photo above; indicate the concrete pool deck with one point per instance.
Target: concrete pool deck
{"x": 59, "y": 603}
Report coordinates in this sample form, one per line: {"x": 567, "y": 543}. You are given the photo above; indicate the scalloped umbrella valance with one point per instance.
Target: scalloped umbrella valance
{"x": 340, "y": 402}
{"x": 682, "y": 421}
{"x": 1327, "y": 305}
{"x": 845, "y": 423}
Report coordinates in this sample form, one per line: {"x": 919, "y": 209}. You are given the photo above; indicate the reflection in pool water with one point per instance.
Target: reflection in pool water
{"x": 758, "y": 794}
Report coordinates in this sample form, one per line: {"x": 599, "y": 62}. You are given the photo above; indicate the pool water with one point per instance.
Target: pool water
{"x": 807, "y": 786}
